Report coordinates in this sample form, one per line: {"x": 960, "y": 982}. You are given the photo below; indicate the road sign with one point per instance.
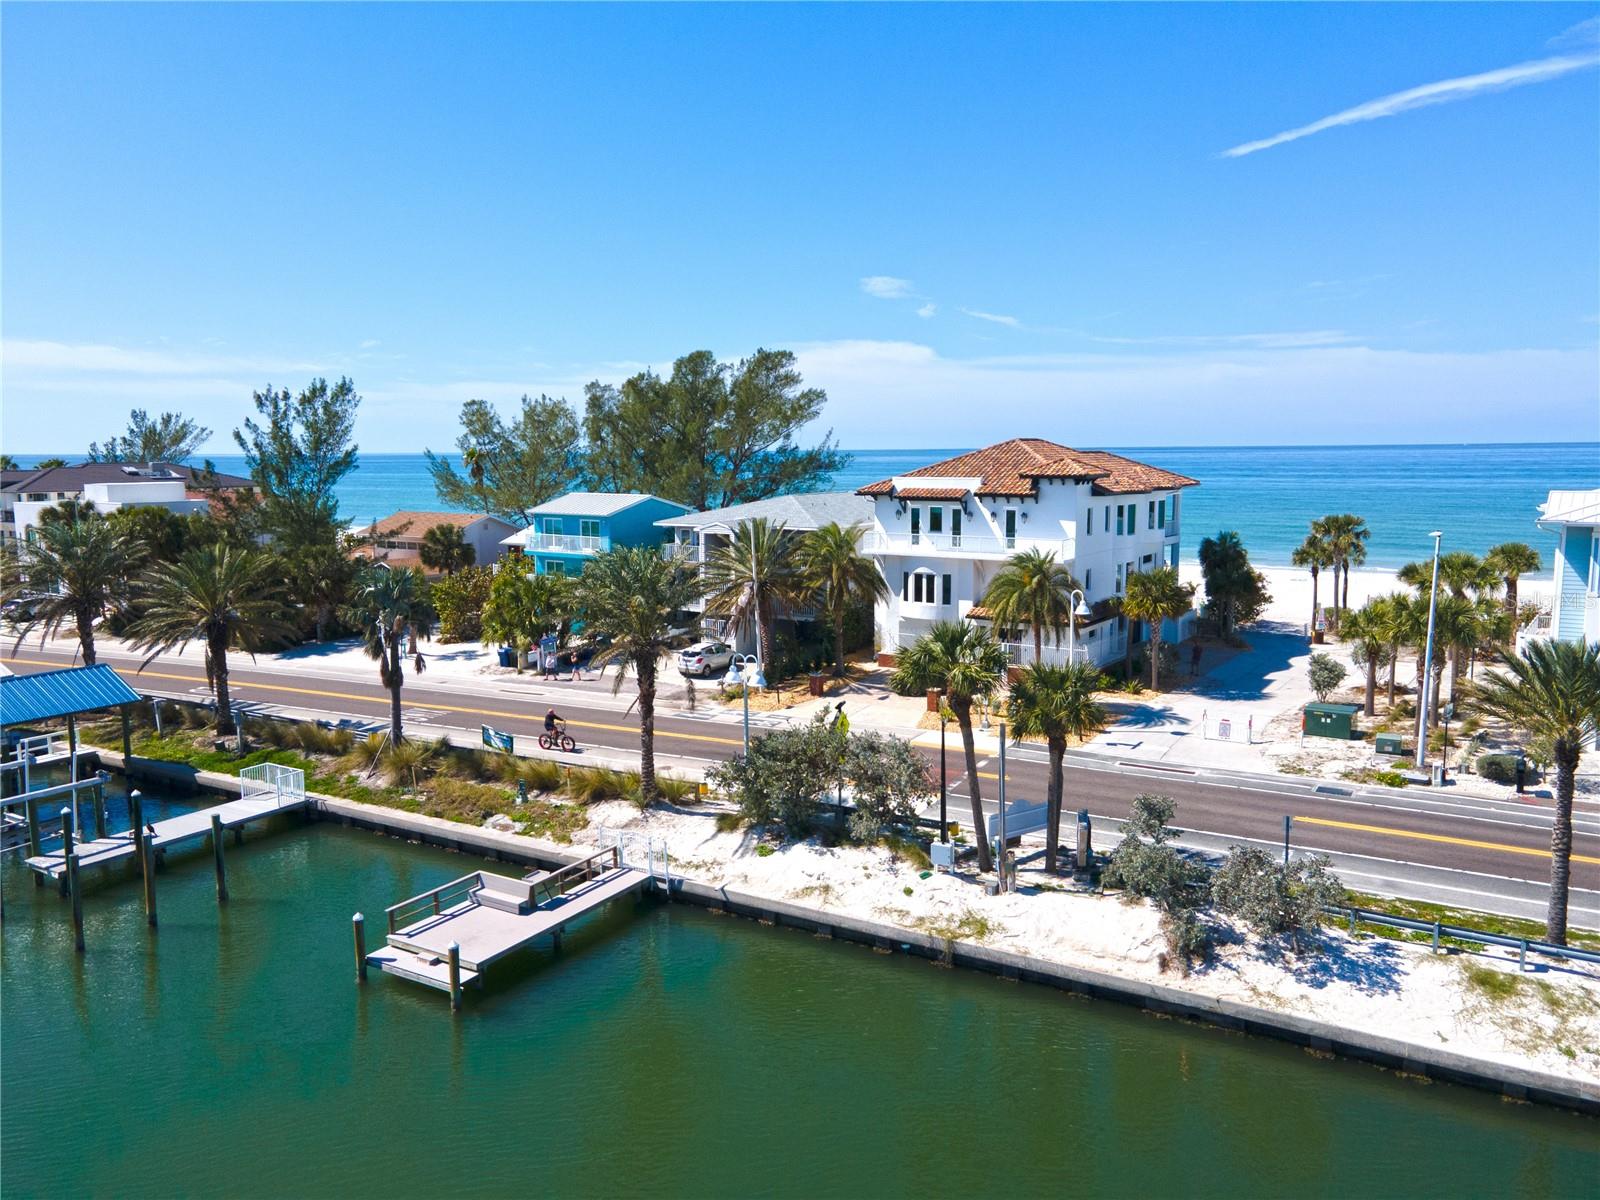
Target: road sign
{"x": 1225, "y": 729}
{"x": 494, "y": 739}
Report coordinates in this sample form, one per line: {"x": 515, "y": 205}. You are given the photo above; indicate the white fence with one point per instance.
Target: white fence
{"x": 271, "y": 781}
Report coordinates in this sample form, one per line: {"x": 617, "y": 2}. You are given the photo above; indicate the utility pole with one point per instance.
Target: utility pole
{"x": 1427, "y": 660}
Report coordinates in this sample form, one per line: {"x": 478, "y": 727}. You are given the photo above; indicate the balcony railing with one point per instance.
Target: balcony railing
{"x": 958, "y": 544}
{"x": 567, "y": 543}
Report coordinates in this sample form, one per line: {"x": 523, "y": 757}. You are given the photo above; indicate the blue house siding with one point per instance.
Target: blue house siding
{"x": 632, "y": 526}
{"x": 1572, "y": 580}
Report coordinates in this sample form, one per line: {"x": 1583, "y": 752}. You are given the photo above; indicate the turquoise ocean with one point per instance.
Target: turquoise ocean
{"x": 1479, "y": 495}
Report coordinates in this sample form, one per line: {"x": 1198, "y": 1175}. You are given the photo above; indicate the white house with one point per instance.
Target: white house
{"x": 1575, "y": 609}
{"x": 695, "y": 535}
{"x": 169, "y": 493}
{"x": 941, "y": 532}
{"x": 108, "y": 487}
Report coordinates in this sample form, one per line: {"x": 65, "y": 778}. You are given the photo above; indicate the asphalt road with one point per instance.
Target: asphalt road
{"x": 1506, "y": 840}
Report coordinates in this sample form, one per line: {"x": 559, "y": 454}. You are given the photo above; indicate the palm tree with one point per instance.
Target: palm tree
{"x": 1226, "y": 567}
{"x": 1511, "y": 561}
{"x": 1055, "y": 703}
{"x": 834, "y": 566}
{"x": 1368, "y": 631}
{"x": 752, "y": 578}
{"x": 388, "y": 605}
{"x": 634, "y": 595}
{"x": 1035, "y": 590}
{"x": 522, "y": 606}
{"x": 68, "y": 571}
{"x": 1314, "y": 554}
{"x": 1465, "y": 573}
{"x": 1346, "y": 537}
{"x": 8, "y": 463}
{"x": 476, "y": 461}
{"x": 444, "y": 548}
{"x": 224, "y": 598}
{"x": 1153, "y": 597}
{"x": 966, "y": 663}
{"x": 1402, "y": 622}
{"x": 1552, "y": 690}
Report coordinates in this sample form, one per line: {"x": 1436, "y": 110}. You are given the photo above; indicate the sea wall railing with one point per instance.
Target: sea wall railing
{"x": 1440, "y": 930}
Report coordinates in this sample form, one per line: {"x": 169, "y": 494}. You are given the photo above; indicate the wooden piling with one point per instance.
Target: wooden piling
{"x": 216, "y": 854}
{"x": 35, "y": 838}
{"x": 100, "y": 810}
{"x": 77, "y": 901}
{"x": 455, "y": 977}
{"x": 66, "y": 845}
{"x": 147, "y": 867}
{"x": 358, "y": 925}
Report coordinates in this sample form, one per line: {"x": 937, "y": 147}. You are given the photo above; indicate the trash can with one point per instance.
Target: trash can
{"x": 508, "y": 656}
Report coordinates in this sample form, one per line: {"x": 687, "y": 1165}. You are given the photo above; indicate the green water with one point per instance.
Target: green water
{"x": 663, "y": 1051}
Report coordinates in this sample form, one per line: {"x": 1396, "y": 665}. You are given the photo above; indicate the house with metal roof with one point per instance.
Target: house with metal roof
{"x": 569, "y": 530}
{"x": 940, "y": 533}
{"x": 1574, "y": 517}
{"x": 108, "y": 486}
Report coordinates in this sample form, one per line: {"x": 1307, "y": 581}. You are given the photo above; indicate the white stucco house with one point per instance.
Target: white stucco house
{"x": 940, "y": 533}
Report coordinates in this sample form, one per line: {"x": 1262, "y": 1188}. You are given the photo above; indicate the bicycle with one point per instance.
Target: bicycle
{"x": 558, "y": 740}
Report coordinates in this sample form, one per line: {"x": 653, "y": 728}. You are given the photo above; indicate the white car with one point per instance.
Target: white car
{"x": 703, "y": 658}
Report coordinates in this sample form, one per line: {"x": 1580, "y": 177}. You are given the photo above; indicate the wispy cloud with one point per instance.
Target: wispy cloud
{"x": 1443, "y": 92}
{"x": 886, "y": 287}
{"x": 1254, "y": 341}
{"x": 996, "y": 318}
{"x": 927, "y": 310}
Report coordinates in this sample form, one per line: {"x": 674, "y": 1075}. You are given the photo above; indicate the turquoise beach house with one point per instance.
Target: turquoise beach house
{"x": 1574, "y": 517}
{"x": 571, "y": 529}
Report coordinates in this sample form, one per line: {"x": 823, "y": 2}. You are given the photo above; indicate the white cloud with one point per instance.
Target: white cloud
{"x": 1443, "y": 92}
{"x": 907, "y": 394}
{"x": 886, "y": 287}
{"x": 996, "y": 318}
{"x": 927, "y": 310}
{"x": 1257, "y": 341}
{"x": 370, "y": 344}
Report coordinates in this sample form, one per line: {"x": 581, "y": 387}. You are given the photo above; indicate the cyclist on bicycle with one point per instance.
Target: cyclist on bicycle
{"x": 554, "y": 723}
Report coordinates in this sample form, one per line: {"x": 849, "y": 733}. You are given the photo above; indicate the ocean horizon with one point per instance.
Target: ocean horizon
{"x": 1479, "y": 494}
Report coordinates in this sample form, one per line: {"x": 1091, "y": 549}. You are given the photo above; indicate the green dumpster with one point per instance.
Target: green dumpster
{"x": 1389, "y": 743}
{"x": 1330, "y": 720}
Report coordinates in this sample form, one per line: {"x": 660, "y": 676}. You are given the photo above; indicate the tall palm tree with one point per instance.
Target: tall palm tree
{"x": 1346, "y": 537}
{"x": 68, "y": 571}
{"x": 1368, "y": 631}
{"x": 1225, "y": 565}
{"x": 966, "y": 663}
{"x": 1464, "y": 574}
{"x": 1153, "y": 597}
{"x": 1402, "y": 621}
{"x": 1314, "y": 554}
{"x": 389, "y": 605}
{"x": 754, "y": 577}
{"x": 833, "y": 564}
{"x": 224, "y": 598}
{"x": 1055, "y": 703}
{"x": 1035, "y": 590}
{"x": 476, "y": 461}
{"x": 1511, "y": 561}
{"x": 634, "y": 595}
{"x": 444, "y": 548}
{"x": 1551, "y": 690}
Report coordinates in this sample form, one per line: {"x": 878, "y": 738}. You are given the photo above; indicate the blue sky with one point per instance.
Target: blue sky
{"x": 970, "y": 222}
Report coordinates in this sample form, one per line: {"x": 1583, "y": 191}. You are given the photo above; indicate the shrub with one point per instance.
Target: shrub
{"x": 785, "y": 777}
{"x": 366, "y": 752}
{"x": 887, "y": 777}
{"x": 1186, "y": 937}
{"x": 1325, "y": 673}
{"x": 1498, "y": 768}
{"x": 1389, "y": 778}
{"x": 1272, "y": 899}
{"x": 1132, "y": 686}
{"x": 459, "y": 600}
{"x": 677, "y": 791}
{"x": 764, "y": 851}
{"x": 593, "y": 785}
{"x": 410, "y": 760}
{"x": 1144, "y": 865}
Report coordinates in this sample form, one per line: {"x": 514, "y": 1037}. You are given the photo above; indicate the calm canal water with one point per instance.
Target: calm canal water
{"x": 665, "y": 1051}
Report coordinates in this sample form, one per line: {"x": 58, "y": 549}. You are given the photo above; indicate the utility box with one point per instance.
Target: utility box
{"x": 1389, "y": 743}
{"x": 1331, "y": 720}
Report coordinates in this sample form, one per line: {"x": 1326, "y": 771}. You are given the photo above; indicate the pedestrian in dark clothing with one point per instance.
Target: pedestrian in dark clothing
{"x": 1194, "y": 657}
{"x": 1522, "y": 774}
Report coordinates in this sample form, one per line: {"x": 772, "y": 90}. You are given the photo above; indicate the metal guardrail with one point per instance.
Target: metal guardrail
{"x": 1440, "y": 930}
{"x": 585, "y": 869}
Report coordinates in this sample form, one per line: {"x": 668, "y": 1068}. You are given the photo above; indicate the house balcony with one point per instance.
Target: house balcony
{"x": 566, "y": 543}
{"x": 962, "y": 545}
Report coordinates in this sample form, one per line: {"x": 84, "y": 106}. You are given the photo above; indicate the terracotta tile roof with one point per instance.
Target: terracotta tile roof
{"x": 1014, "y": 468}
{"x": 979, "y": 613}
{"x": 420, "y": 522}
{"x": 1124, "y": 475}
{"x": 395, "y": 558}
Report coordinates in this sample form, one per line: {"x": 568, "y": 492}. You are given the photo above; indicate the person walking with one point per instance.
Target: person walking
{"x": 1194, "y": 657}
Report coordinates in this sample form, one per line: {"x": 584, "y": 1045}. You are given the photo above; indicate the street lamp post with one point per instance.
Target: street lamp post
{"x": 1427, "y": 659}
{"x": 1000, "y": 858}
{"x": 1080, "y": 609}
{"x": 735, "y": 678}
{"x": 944, "y": 788}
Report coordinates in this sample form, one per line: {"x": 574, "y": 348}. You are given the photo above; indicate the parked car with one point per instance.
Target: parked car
{"x": 703, "y": 658}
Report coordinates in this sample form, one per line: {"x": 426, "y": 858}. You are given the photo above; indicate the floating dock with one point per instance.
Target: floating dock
{"x": 444, "y": 938}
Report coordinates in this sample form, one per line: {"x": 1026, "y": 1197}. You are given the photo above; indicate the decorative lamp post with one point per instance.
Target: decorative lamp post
{"x": 1080, "y": 609}
{"x": 752, "y": 679}
{"x": 944, "y": 787}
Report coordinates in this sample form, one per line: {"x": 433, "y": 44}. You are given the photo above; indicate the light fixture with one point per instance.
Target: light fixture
{"x": 733, "y": 678}
{"x": 1083, "y": 609}
{"x": 757, "y": 679}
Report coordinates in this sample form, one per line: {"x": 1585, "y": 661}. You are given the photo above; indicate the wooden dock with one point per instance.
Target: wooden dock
{"x": 169, "y": 833}
{"x": 483, "y": 917}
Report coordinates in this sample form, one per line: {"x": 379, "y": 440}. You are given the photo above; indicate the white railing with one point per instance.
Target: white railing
{"x": 1020, "y": 654}
{"x": 922, "y": 542}
{"x": 568, "y": 543}
{"x": 272, "y": 781}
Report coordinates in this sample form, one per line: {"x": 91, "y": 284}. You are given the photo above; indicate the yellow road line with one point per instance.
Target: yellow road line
{"x": 1439, "y": 837}
{"x": 476, "y": 712}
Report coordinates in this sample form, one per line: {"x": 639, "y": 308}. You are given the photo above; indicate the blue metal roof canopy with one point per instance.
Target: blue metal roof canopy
{"x": 62, "y": 693}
